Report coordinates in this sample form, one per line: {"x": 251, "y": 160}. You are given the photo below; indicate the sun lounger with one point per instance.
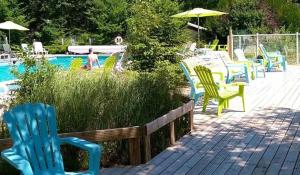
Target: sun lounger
{"x": 38, "y": 49}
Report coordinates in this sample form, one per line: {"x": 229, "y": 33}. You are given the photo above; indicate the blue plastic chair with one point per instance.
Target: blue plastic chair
{"x": 234, "y": 69}
{"x": 274, "y": 59}
{"x": 36, "y": 145}
{"x": 196, "y": 93}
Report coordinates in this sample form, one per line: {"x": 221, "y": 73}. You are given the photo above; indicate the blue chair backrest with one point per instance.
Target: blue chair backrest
{"x": 33, "y": 130}
{"x": 264, "y": 52}
{"x": 187, "y": 74}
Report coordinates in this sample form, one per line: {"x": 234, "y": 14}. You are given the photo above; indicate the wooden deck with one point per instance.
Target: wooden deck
{"x": 263, "y": 140}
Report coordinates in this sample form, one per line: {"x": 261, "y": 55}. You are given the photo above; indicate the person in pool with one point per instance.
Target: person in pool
{"x": 92, "y": 60}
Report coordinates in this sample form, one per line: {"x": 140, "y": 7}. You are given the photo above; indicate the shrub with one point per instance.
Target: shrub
{"x": 152, "y": 34}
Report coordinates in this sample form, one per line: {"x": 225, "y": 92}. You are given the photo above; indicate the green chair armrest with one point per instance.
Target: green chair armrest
{"x": 221, "y": 74}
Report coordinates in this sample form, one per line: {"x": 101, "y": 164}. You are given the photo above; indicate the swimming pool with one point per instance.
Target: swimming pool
{"x": 62, "y": 62}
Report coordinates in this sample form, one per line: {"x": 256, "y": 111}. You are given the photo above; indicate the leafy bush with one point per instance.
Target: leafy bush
{"x": 152, "y": 34}
{"x": 57, "y": 49}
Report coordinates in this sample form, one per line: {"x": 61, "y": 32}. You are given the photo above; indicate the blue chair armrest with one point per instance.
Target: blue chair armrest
{"x": 17, "y": 161}
{"x": 93, "y": 149}
{"x": 80, "y": 143}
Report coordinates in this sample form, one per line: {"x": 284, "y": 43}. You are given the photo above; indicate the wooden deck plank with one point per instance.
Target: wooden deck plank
{"x": 242, "y": 144}
{"x": 183, "y": 169}
{"x": 225, "y": 165}
{"x": 263, "y": 140}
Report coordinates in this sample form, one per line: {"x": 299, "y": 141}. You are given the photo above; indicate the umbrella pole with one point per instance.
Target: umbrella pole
{"x": 198, "y": 30}
{"x": 8, "y": 36}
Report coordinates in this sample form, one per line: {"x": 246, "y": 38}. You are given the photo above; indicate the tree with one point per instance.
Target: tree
{"x": 110, "y": 18}
{"x": 152, "y": 34}
{"x": 243, "y": 16}
{"x": 9, "y": 10}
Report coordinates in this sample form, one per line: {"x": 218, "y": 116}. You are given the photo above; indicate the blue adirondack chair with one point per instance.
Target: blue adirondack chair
{"x": 36, "y": 145}
{"x": 273, "y": 59}
{"x": 234, "y": 69}
{"x": 196, "y": 92}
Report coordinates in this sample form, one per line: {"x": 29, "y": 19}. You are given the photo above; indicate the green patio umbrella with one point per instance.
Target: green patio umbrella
{"x": 198, "y": 13}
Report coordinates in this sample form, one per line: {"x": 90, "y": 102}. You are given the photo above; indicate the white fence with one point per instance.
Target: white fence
{"x": 287, "y": 44}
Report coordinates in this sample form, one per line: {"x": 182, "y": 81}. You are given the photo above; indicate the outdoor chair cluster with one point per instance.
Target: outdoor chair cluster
{"x": 228, "y": 70}
{"x": 255, "y": 64}
{"x": 198, "y": 89}
{"x": 190, "y": 49}
{"x": 36, "y": 144}
{"x": 109, "y": 64}
{"x": 7, "y": 55}
{"x": 273, "y": 60}
{"x": 37, "y": 49}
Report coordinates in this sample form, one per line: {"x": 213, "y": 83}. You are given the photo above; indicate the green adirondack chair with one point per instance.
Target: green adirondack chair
{"x": 76, "y": 64}
{"x": 110, "y": 63}
{"x": 213, "y": 90}
{"x": 214, "y": 44}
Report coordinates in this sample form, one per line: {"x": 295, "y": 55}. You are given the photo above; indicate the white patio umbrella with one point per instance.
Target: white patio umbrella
{"x": 198, "y": 12}
{"x": 8, "y": 25}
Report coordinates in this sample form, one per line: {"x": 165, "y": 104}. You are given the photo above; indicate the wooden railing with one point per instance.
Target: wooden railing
{"x": 164, "y": 120}
{"x": 134, "y": 135}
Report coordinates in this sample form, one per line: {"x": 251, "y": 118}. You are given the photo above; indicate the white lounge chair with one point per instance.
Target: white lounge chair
{"x": 188, "y": 51}
{"x": 8, "y": 55}
{"x": 26, "y": 49}
{"x": 257, "y": 65}
{"x": 38, "y": 48}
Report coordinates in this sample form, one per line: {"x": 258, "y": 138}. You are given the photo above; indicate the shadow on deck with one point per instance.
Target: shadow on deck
{"x": 263, "y": 140}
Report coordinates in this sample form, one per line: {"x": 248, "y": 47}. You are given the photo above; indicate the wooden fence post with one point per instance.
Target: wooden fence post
{"x": 191, "y": 119}
{"x": 147, "y": 146}
{"x": 134, "y": 151}
{"x": 172, "y": 133}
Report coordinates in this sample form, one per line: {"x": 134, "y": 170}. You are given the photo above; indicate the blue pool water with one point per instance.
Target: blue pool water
{"x": 62, "y": 62}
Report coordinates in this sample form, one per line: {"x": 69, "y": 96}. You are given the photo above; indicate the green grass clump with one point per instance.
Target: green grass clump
{"x": 90, "y": 100}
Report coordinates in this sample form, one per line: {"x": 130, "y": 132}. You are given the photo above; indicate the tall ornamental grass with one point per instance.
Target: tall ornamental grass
{"x": 90, "y": 100}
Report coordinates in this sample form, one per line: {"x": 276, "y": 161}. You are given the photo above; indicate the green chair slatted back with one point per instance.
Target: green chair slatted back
{"x": 110, "y": 63}
{"x": 214, "y": 44}
{"x": 76, "y": 64}
{"x": 207, "y": 81}
{"x": 212, "y": 89}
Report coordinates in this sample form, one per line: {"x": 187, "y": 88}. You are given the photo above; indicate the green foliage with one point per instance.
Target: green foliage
{"x": 57, "y": 48}
{"x": 288, "y": 14}
{"x": 111, "y": 18}
{"x": 9, "y": 10}
{"x": 36, "y": 74}
{"x": 88, "y": 100}
{"x": 152, "y": 33}
{"x": 50, "y": 19}
{"x": 190, "y": 4}
{"x": 243, "y": 16}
